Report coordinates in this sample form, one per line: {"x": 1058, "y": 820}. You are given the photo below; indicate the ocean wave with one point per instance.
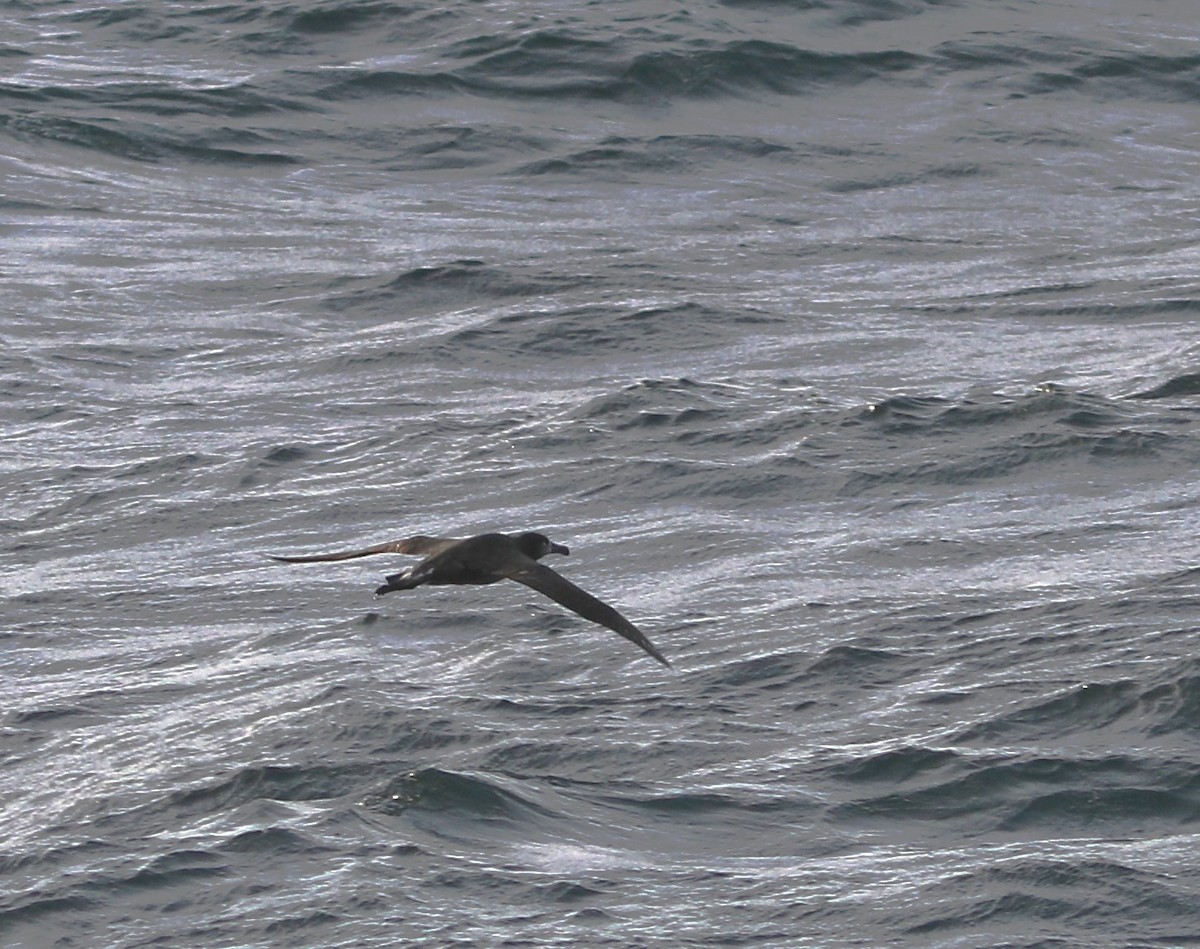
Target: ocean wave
{"x": 989, "y": 437}
{"x": 1116, "y": 793}
{"x": 467, "y": 796}
{"x": 558, "y": 65}
{"x": 1047, "y": 65}
{"x": 1178, "y": 387}
{"x": 1028, "y": 895}
{"x": 751, "y": 66}
{"x": 1107, "y": 74}
{"x": 583, "y": 330}
{"x": 142, "y": 142}
{"x": 626, "y": 156}
{"x": 449, "y": 285}
{"x": 713, "y": 438}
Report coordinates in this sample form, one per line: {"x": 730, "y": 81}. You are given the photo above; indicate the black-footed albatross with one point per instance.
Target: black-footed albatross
{"x": 489, "y": 558}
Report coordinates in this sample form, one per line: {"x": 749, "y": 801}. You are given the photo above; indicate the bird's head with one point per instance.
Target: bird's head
{"x": 535, "y": 545}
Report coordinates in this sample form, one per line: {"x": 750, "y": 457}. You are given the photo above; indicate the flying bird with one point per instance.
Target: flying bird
{"x": 490, "y": 558}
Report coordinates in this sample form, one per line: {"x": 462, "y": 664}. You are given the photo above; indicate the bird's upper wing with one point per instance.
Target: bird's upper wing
{"x": 561, "y": 590}
{"x": 425, "y": 546}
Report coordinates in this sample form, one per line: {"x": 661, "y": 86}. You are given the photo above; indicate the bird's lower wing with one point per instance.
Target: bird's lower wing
{"x": 541, "y": 578}
{"x": 422, "y": 545}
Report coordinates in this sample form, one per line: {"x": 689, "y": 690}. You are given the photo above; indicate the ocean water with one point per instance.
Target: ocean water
{"x": 851, "y": 345}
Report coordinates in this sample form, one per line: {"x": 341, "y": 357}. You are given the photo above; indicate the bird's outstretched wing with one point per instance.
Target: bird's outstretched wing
{"x": 422, "y": 545}
{"x": 541, "y": 578}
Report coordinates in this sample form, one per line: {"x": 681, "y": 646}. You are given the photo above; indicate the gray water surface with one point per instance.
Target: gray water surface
{"x": 850, "y": 347}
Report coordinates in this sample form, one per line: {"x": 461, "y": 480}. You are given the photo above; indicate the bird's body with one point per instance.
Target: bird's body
{"x": 489, "y": 558}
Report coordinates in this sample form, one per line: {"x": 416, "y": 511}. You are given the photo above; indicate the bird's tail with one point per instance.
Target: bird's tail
{"x": 399, "y": 581}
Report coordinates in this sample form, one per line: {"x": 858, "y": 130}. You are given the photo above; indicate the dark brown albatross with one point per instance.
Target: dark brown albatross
{"x": 490, "y": 558}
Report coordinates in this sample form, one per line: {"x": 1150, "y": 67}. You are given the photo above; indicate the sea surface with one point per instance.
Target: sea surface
{"x": 852, "y": 346}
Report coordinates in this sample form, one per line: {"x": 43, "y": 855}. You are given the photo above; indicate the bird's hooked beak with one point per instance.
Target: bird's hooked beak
{"x": 559, "y": 549}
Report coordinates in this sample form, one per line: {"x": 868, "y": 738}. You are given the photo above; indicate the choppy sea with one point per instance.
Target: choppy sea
{"x": 850, "y": 345}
